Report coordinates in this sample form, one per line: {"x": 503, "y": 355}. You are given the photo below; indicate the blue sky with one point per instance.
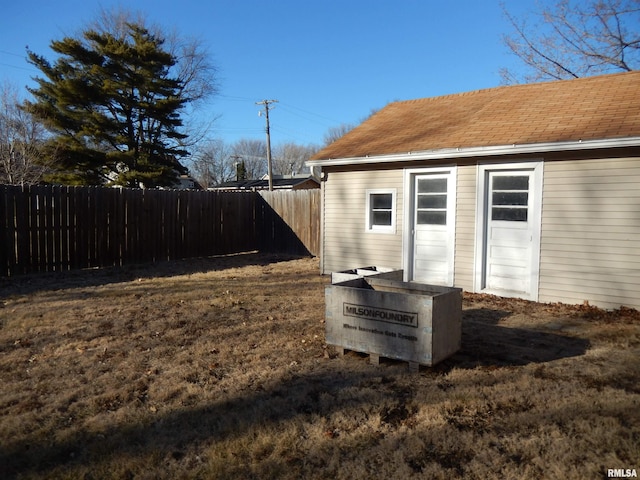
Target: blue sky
{"x": 327, "y": 62}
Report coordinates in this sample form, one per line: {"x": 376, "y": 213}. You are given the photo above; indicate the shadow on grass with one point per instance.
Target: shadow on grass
{"x": 487, "y": 343}
{"x": 305, "y": 396}
{"x": 32, "y": 283}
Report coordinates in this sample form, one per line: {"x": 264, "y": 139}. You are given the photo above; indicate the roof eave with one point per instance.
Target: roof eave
{"x": 489, "y": 151}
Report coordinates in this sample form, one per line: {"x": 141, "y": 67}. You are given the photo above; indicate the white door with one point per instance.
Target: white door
{"x": 512, "y": 225}
{"x": 433, "y": 219}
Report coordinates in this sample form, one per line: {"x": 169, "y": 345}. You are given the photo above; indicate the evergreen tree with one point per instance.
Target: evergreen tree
{"x": 241, "y": 171}
{"x": 113, "y": 109}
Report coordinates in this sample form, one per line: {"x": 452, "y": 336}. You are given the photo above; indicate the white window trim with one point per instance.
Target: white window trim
{"x": 387, "y": 229}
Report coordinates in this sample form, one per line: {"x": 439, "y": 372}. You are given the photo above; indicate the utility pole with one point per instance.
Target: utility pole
{"x": 266, "y": 104}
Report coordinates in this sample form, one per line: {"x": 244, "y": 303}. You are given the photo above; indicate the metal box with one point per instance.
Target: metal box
{"x": 414, "y": 322}
{"x": 379, "y": 272}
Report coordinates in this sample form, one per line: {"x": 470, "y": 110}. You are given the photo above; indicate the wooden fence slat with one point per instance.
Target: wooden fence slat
{"x": 14, "y": 199}
{"x": 168, "y": 224}
{"x": 143, "y": 224}
{"x": 125, "y": 242}
{"x": 6, "y": 240}
{"x": 63, "y": 233}
{"x": 72, "y": 230}
{"x": 130, "y": 226}
{"x": 135, "y": 227}
{"x": 206, "y": 222}
{"x": 54, "y": 228}
{"x": 150, "y": 230}
{"x": 149, "y": 237}
{"x": 215, "y": 223}
{"x": 89, "y": 227}
{"x": 34, "y": 229}
{"x": 111, "y": 234}
{"x": 82, "y": 215}
{"x": 158, "y": 227}
{"x": 100, "y": 227}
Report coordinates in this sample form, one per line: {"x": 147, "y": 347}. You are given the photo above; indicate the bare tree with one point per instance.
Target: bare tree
{"x": 21, "y": 161}
{"x": 573, "y": 39}
{"x": 334, "y": 133}
{"x": 213, "y": 164}
{"x": 217, "y": 162}
{"x": 254, "y": 155}
{"x": 289, "y": 158}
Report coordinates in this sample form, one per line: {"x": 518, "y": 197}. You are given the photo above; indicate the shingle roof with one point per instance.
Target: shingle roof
{"x": 590, "y": 108}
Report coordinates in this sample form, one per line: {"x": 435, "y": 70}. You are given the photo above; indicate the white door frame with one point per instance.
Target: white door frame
{"x": 408, "y": 216}
{"x": 482, "y": 216}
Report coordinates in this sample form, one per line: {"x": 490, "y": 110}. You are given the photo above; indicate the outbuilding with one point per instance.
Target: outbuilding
{"x": 528, "y": 191}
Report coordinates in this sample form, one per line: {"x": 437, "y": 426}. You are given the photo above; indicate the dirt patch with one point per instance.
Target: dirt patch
{"x": 217, "y": 368}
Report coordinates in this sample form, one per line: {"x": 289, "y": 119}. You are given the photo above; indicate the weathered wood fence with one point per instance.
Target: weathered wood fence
{"x": 295, "y": 220}
{"x": 54, "y": 228}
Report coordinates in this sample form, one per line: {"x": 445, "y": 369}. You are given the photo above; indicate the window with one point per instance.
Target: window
{"x": 510, "y": 198}
{"x": 431, "y": 199}
{"x": 381, "y": 211}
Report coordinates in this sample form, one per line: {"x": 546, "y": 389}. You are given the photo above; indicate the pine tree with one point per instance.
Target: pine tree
{"x": 113, "y": 109}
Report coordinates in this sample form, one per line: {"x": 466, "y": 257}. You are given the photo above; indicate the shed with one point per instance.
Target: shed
{"x": 528, "y": 191}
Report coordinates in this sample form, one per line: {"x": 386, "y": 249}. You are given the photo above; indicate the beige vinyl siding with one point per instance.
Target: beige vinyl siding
{"x": 346, "y": 245}
{"x": 465, "y": 227}
{"x": 590, "y": 243}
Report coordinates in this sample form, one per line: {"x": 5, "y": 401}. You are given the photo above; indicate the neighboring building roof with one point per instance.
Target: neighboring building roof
{"x": 185, "y": 182}
{"x": 294, "y": 183}
{"x": 582, "y": 110}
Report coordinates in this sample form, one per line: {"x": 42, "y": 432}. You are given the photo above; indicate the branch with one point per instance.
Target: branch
{"x": 576, "y": 39}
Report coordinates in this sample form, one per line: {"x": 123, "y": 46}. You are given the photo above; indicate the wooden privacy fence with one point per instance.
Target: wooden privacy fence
{"x": 53, "y": 228}
{"x": 292, "y": 219}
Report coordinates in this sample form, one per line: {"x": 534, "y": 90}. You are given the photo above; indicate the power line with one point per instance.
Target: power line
{"x": 236, "y": 98}
{"x": 19, "y": 68}
{"x": 293, "y": 107}
{"x": 12, "y": 54}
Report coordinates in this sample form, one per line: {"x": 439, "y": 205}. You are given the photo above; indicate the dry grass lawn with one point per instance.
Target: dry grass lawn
{"x": 217, "y": 368}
